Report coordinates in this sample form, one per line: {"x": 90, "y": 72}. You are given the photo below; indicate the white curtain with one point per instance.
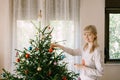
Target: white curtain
{"x": 65, "y": 10}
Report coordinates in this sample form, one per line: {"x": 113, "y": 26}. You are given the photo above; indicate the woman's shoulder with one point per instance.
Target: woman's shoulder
{"x": 97, "y": 50}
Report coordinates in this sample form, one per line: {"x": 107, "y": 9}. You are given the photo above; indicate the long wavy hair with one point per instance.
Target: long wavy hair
{"x": 92, "y": 29}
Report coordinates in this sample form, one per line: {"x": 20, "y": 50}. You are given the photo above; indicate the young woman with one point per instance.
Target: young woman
{"x": 91, "y": 67}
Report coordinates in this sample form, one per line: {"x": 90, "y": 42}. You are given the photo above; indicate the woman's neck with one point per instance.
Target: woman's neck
{"x": 90, "y": 45}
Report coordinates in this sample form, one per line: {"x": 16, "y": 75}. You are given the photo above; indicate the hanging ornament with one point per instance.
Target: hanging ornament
{"x": 27, "y": 55}
{"x": 18, "y": 60}
{"x": 39, "y": 69}
{"x": 64, "y": 78}
{"x": 17, "y": 54}
{"x": 48, "y": 27}
{"x": 30, "y": 48}
{"x": 62, "y": 57}
{"x": 50, "y": 50}
{"x": 55, "y": 63}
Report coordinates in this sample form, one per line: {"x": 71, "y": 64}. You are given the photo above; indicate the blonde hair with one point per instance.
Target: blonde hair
{"x": 92, "y": 29}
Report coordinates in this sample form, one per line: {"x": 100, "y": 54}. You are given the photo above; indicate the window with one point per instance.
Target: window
{"x": 112, "y": 31}
{"x": 25, "y": 31}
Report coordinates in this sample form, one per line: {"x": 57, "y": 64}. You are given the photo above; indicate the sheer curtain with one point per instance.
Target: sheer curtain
{"x": 52, "y": 11}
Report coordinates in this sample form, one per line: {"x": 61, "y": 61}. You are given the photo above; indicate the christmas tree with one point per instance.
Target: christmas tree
{"x": 39, "y": 61}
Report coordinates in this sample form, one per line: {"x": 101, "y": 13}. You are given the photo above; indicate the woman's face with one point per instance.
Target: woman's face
{"x": 89, "y": 37}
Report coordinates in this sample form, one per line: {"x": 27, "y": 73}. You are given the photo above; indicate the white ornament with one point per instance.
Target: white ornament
{"x": 39, "y": 69}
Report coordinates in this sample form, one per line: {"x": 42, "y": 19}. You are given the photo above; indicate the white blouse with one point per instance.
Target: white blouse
{"x": 93, "y": 63}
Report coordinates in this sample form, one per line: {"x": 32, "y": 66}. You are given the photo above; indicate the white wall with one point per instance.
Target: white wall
{"x": 92, "y": 12}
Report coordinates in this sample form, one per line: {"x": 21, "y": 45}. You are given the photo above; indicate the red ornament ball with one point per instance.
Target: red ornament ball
{"x": 18, "y": 60}
{"x": 50, "y": 50}
{"x": 27, "y": 55}
{"x": 64, "y": 78}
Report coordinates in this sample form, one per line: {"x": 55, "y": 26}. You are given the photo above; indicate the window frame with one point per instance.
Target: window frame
{"x": 107, "y": 12}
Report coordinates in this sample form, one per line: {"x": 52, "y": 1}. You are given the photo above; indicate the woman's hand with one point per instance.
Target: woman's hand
{"x": 79, "y": 66}
{"x": 52, "y": 45}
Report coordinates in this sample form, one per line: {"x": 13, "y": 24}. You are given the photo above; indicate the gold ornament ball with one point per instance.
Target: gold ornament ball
{"x": 39, "y": 69}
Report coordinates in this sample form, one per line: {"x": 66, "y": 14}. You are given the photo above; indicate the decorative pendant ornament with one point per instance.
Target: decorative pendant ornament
{"x": 50, "y": 50}
{"x": 17, "y": 53}
{"x": 62, "y": 57}
{"x": 18, "y": 60}
{"x": 64, "y": 78}
{"x": 30, "y": 48}
{"x": 39, "y": 69}
{"x": 27, "y": 55}
{"x": 55, "y": 63}
{"x": 49, "y": 27}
